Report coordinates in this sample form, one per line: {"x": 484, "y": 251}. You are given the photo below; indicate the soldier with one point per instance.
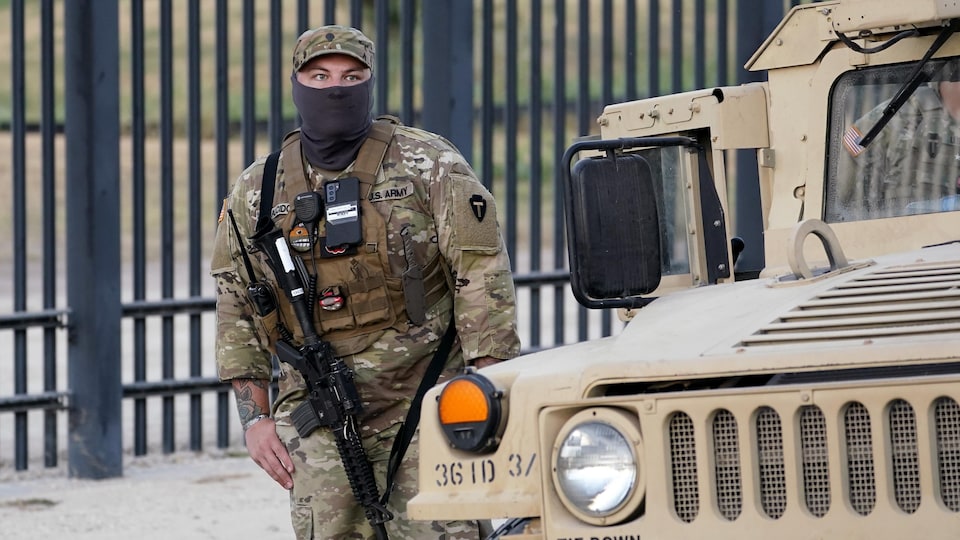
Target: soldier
{"x": 421, "y": 207}
{"x": 911, "y": 167}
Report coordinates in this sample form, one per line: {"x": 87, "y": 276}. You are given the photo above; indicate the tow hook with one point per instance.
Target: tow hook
{"x": 798, "y": 263}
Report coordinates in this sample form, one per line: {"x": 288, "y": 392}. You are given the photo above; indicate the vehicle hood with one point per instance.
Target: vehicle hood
{"x": 893, "y": 310}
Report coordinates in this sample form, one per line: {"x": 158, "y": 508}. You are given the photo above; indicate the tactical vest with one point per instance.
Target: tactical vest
{"x": 373, "y": 297}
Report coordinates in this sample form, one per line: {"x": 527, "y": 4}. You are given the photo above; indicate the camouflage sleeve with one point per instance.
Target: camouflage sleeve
{"x": 470, "y": 241}
{"x": 241, "y": 350}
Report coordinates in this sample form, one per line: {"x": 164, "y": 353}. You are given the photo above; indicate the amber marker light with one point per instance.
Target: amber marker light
{"x": 470, "y": 413}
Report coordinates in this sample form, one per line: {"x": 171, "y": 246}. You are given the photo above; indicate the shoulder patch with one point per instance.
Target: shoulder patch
{"x": 223, "y": 210}
{"x": 475, "y": 215}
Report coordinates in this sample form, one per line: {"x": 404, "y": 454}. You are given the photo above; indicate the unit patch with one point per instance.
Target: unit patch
{"x": 478, "y": 205}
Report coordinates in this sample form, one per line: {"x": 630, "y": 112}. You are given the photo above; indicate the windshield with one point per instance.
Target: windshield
{"x": 913, "y": 165}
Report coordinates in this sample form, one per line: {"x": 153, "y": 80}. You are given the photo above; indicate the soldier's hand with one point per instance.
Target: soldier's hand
{"x": 269, "y": 453}
{"x": 485, "y": 361}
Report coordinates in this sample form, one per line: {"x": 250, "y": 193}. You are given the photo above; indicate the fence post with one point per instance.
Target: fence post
{"x": 448, "y": 71}
{"x": 91, "y": 96}
{"x": 747, "y": 217}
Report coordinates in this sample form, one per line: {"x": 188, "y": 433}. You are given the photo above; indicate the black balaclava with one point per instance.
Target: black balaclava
{"x": 335, "y": 122}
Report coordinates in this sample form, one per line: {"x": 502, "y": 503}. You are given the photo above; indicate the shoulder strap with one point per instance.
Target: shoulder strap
{"x": 267, "y": 183}
{"x": 268, "y": 180}
{"x": 410, "y": 423}
{"x": 374, "y": 148}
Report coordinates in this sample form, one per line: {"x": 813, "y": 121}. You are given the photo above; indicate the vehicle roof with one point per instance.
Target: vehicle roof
{"x": 809, "y": 29}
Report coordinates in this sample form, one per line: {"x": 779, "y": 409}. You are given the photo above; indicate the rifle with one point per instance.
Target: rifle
{"x": 332, "y": 401}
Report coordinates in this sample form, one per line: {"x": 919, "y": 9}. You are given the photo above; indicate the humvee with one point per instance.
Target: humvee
{"x": 817, "y": 398}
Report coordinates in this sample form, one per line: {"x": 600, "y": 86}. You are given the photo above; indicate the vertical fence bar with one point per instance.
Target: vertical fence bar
{"x": 91, "y": 95}
{"x": 166, "y": 214}
{"x": 249, "y": 120}
{"x": 49, "y": 181}
{"x": 583, "y": 66}
{"x": 303, "y": 16}
{"x": 607, "y": 83}
{"x": 303, "y": 24}
{"x": 630, "y": 56}
{"x": 606, "y": 56}
{"x": 583, "y": 116}
{"x": 195, "y": 204}
{"x": 384, "y": 49}
{"x": 559, "y": 146}
{"x": 653, "y": 48}
{"x": 510, "y": 128}
{"x": 536, "y": 163}
{"x": 676, "y": 46}
{"x": 356, "y": 13}
{"x": 699, "y": 44}
{"x": 487, "y": 104}
{"x": 275, "y": 121}
{"x": 138, "y": 206}
{"x": 222, "y": 101}
{"x": 18, "y": 159}
{"x": 448, "y": 75}
{"x": 748, "y": 220}
{"x": 408, "y": 19}
{"x": 223, "y": 135}
{"x": 329, "y": 12}
{"x": 723, "y": 43}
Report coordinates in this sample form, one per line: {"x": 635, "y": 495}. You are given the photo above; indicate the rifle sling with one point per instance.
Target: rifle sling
{"x": 266, "y": 193}
{"x": 405, "y": 434}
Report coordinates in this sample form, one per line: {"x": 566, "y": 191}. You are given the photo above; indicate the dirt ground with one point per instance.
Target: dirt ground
{"x": 182, "y": 496}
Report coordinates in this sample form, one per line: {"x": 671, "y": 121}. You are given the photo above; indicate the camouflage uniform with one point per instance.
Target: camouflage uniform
{"x": 911, "y": 164}
{"x": 424, "y": 184}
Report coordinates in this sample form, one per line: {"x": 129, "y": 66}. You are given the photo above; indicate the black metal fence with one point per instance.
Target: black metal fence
{"x": 124, "y": 122}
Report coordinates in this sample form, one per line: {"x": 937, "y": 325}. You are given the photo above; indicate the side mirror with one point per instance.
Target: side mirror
{"x": 613, "y": 222}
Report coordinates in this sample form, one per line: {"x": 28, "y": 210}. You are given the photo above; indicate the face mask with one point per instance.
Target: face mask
{"x": 336, "y": 121}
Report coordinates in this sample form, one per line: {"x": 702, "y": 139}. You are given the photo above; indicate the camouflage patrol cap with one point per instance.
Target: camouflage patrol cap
{"x": 332, "y": 39}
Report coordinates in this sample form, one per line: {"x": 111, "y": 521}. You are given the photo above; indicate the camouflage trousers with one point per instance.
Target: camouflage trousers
{"x": 322, "y": 504}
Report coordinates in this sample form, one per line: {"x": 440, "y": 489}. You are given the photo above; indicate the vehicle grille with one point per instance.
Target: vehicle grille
{"x": 910, "y": 300}
{"x": 865, "y": 455}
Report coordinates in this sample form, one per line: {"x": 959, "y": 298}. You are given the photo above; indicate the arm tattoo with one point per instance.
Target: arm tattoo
{"x": 246, "y": 406}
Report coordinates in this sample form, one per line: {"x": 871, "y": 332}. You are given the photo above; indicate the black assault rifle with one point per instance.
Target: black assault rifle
{"x": 333, "y": 401}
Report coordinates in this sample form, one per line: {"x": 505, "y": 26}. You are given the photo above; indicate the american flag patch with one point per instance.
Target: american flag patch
{"x": 851, "y": 141}
{"x": 223, "y": 210}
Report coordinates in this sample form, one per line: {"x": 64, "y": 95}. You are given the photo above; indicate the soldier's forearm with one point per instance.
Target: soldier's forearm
{"x": 253, "y": 398}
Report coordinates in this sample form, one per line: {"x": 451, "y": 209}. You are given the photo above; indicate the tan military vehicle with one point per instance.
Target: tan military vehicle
{"x": 818, "y": 399}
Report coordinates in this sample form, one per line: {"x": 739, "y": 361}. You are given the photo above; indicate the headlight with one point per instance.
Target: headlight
{"x": 471, "y": 414}
{"x": 596, "y": 467}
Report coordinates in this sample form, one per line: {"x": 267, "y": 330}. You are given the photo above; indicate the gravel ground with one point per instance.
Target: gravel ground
{"x": 182, "y": 496}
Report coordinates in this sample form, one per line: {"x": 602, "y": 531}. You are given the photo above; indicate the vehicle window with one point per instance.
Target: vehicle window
{"x": 670, "y": 178}
{"x": 913, "y": 165}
